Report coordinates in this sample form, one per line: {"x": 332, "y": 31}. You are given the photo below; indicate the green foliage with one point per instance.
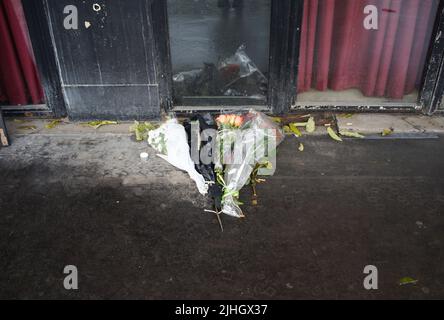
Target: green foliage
{"x": 141, "y": 130}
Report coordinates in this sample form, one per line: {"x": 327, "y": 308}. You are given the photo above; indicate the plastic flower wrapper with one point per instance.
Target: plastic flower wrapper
{"x": 239, "y": 150}
{"x": 170, "y": 140}
{"x": 242, "y": 77}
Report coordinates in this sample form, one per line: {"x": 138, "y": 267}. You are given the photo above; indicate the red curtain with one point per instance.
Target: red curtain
{"x": 339, "y": 53}
{"x": 19, "y": 81}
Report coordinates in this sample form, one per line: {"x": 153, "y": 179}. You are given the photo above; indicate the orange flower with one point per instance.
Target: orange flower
{"x": 232, "y": 119}
{"x": 238, "y": 121}
{"x": 222, "y": 119}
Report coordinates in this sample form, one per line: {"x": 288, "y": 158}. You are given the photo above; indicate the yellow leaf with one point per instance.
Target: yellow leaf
{"x": 98, "y": 124}
{"x": 53, "y": 124}
{"x": 387, "y": 132}
{"x": 407, "y": 280}
{"x": 295, "y": 130}
{"x": 333, "y": 134}
{"x": 287, "y": 130}
{"x": 141, "y": 130}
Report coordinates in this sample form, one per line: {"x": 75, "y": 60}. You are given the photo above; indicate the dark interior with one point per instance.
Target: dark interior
{"x": 208, "y": 66}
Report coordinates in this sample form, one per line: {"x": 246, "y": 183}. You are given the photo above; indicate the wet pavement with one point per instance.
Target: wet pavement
{"x": 138, "y": 230}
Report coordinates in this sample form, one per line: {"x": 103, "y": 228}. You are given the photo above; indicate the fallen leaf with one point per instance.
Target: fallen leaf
{"x": 311, "y": 125}
{"x": 407, "y": 281}
{"x": 53, "y": 124}
{"x": 28, "y": 128}
{"x": 351, "y": 134}
{"x": 301, "y": 147}
{"x": 287, "y": 130}
{"x": 142, "y": 129}
{"x": 387, "y": 132}
{"x": 333, "y": 134}
{"x": 98, "y": 124}
{"x": 295, "y": 130}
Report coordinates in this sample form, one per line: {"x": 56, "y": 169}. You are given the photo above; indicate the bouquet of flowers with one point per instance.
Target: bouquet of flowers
{"x": 243, "y": 148}
{"x": 244, "y": 143}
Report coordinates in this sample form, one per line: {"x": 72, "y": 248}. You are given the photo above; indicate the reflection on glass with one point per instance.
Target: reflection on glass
{"x": 364, "y": 50}
{"x": 220, "y": 50}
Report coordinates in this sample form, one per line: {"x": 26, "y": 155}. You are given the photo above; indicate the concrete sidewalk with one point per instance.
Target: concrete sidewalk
{"x": 400, "y": 123}
{"x": 364, "y": 123}
{"x": 138, "y": 230}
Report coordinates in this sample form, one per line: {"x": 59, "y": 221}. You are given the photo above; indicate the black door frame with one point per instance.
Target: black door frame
{"x": 286, "y": 22}
{"x": 47, "y": 64}
{"x": 4, "y": 138}
{"x": 433, "y": 84}
{"x": 159, "y": 16}
{"x": 284, "y": 48}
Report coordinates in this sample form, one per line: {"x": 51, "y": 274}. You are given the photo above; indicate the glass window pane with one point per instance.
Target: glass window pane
{"x": 220, "y": 50}
{"x": 364, "y": 51}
